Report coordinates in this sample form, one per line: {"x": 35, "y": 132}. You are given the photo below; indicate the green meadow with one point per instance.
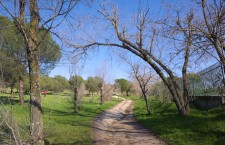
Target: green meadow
{"x": 198, "y": 128}
{"x": 64, "y": 127}
{"x": 61, "y": 125}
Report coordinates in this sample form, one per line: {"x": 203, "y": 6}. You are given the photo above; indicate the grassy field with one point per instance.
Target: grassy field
{"x": 199, "y": 128}
{"x": 62, "y": 126}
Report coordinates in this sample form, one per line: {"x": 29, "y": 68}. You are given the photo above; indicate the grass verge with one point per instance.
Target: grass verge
{"x": 198, "y": 128}
{"x": 62, "y": 126}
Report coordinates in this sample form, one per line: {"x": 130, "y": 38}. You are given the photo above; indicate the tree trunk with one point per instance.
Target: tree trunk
{"x": 185, "y": 80}
{"x": 12, "y": 94}
{"x": 36, "y": 129}
{"x": 127, "y": 93}
{"x": 186, "y": 93}
{"x": 21, "y": 97}
{"x": 180, "y": 103}
{"x": 75, "y": 100}
{"x": 169, "y": 82}
{"x": 146, "y": 103}
{"x": 11, "y": 91}
{"x": 101, "y": 95}
{"x": 35, "y": 100}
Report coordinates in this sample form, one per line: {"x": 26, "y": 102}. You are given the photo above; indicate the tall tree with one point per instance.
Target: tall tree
{"x": 37, "y": 20}
{"x": 186, "y": 28}
{"x": 12, "y": 42}
{"x": 8, "y": 70}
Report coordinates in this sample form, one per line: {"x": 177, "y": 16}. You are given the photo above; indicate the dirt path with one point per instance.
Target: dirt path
{"x": 117, "y": 126}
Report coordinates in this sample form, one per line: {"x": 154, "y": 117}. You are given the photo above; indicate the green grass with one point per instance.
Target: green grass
{"x": 199, "y": 128}
{"x": 62, "y": 126}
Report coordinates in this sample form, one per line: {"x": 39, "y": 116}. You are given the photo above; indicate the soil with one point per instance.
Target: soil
{"x": 117, "y": 126}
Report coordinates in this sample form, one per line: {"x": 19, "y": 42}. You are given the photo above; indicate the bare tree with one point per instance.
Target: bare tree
{"x": 211, "y": 30}
{"x": 108, "y": 91}
{"x": 140, "y": 41}
{"x": 105, "y": 89}
{"x": 187, "y": 28}
{"x": 143, "y": 76}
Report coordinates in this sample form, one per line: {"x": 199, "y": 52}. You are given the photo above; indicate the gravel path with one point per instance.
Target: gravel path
{"x": 117, "y": 126}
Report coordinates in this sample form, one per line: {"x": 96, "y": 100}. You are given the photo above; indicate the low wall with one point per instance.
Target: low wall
{"x": 207, "y": 102}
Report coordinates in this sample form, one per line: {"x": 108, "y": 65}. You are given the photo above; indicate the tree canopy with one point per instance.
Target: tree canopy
{"x": 124, "y": 84}
{"x": 93, "y": 84}
{"x": 12, "y": 42}
{"x": 76, "y": 81}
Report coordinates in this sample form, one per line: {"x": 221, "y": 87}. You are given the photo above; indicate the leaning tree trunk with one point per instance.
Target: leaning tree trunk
{"x": 179, "y": 100}
{"x": 171, "y": 84}
{"x": 21, "y": 96}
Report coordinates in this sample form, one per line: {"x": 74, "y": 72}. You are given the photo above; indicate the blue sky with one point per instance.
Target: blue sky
{"x": 89, "y": 66}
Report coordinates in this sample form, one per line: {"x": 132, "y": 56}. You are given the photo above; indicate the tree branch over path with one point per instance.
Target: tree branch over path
{"x": 141, "y": 49}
